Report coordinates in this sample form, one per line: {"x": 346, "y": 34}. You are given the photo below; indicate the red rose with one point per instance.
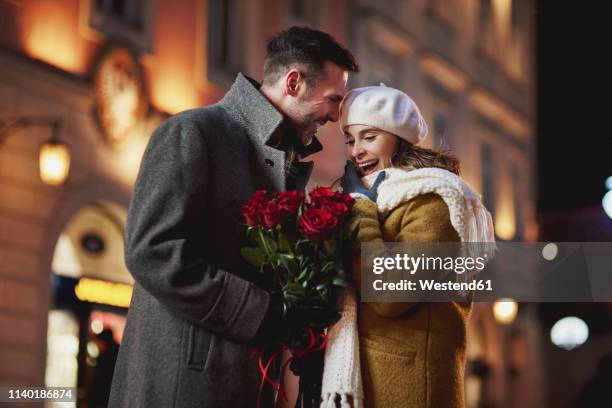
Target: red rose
{"x": 338, "y": 209}
{"x": 271, "y": 215}
{"x": 289, "y": 201}
{"x": 253, "y": 208}
{"x": 320, "y": 194}
{"x": 345, "y": 199}
{"x": 251, "y": 215}
{"x": 317, "y": 224}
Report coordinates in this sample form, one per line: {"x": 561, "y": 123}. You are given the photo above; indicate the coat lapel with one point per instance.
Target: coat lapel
{"x": 252, "y": 109}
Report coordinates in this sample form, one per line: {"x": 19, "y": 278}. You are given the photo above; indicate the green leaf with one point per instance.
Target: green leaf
{"x": 271, "y": 243}
{"x": 252, "y": 234}
{"x": 302, "y": 242}
{"x": 260, "y": 243}
{"x": 274, "y": 260}
{"x": 292, "y": 286}
{"x": 302, "y": 274}
{"x": 289, "y": 263}
{"x": 328, "y": 265}
{"x": 291, "y": 298}
{"x": 282, "y": 259}
{"x": 330, "y": 246}
{"x": 293, "y": 267}
{"x": 284, "y": 244}
{"x": 254, "y": 256}
{"x": 340, "y": 282}
{"x": 294, "y": 289}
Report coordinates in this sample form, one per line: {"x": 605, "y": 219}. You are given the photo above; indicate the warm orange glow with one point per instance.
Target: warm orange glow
{"x": 444, "y": 72}
{"x": 50, "y": 33}
{"x": 505, "y": 214}
{"x": 125, "y": 162}
{"x": 532, "y": 231}
{"x": 498, "y": 111}
{"x": 174, "y": 90}
{"x": 505, "y": 227}
{"x": 515, "y": 64}
{"x": 174, "y": 85}
{"x": 504, "y": 310}
{"x": 503, "y": 10}
{"x": 389, "y": 39}
{"x": 54, "y": 163}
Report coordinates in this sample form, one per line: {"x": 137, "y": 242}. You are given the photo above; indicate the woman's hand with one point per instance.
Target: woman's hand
{"x": 351, "y": 183}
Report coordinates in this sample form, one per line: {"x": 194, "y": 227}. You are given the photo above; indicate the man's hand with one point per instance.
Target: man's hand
{"x": 351, "y": 182}
{"x": 289, "y": 321}
{"x": 304, "y": 315}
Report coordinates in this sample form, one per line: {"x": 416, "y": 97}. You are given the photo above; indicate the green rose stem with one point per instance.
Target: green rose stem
{"x": 263, "y": 242}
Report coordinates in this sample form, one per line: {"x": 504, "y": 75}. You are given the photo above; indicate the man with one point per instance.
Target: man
{"x": 196, "y": 311}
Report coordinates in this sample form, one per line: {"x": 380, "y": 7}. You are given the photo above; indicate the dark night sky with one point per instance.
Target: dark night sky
{"x": 575, "y": 111}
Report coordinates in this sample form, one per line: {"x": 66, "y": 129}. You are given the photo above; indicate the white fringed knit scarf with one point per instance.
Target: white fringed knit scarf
{"x": 471, "y": 220}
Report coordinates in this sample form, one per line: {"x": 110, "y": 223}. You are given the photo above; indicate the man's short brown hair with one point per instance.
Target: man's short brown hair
{"x": 307, "y": 50}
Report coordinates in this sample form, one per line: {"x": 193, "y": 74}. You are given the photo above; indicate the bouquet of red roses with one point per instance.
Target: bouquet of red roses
{"x": 299, "y": 247}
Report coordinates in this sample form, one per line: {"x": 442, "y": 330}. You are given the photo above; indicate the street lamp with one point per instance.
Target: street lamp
{"x": 504, "y": 310}
{"x": 569, "y": 333}
{"x": 606, "y": 202}
{"x": 54, "y": 156}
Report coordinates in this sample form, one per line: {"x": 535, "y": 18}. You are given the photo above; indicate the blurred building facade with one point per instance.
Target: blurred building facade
{"x": 112, "y": 70}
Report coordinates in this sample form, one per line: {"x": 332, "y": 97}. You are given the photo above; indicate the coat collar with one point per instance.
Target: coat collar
{"x": 259, "y": 117}
{"x": 313, "y": 147}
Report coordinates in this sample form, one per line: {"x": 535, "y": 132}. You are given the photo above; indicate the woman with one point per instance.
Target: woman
{"x": 411, "y": 354}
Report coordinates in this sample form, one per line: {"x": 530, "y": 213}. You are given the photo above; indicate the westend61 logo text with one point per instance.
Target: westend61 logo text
{"x": 427, "y": 263}
{"x": 486, "y": 272}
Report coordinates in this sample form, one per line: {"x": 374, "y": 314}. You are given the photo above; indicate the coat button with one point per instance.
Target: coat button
{"x": 269, "y": 162}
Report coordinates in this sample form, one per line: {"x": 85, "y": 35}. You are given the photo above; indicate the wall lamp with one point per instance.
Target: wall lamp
{"x": 54, "y": 156}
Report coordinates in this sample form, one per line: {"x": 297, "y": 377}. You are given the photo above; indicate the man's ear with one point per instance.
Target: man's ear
{"x": 293, "y": 81}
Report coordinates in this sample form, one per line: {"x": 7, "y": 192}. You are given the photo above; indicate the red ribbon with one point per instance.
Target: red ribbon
{"x": 295, "y": 353}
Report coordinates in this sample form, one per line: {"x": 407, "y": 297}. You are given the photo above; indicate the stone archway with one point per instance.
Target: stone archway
{"x": 100, "y": 207}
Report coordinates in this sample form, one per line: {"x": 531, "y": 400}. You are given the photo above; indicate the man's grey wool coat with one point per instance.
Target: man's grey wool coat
{"x": 195, "y": 306}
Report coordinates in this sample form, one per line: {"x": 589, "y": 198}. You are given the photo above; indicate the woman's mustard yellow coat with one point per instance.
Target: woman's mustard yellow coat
{"x": 412, "y": 354}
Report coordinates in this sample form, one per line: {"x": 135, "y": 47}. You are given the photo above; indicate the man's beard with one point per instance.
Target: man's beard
{"x": 305, "y": 129}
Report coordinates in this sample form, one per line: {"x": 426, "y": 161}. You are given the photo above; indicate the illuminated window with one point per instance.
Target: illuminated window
{"x": 62, "y": 351}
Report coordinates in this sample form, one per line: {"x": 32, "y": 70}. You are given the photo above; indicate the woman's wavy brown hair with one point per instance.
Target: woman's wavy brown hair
{"x": 410, "y": 157}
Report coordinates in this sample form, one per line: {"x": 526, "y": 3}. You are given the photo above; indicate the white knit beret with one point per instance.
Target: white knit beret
{"x": 385, "y": 108}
